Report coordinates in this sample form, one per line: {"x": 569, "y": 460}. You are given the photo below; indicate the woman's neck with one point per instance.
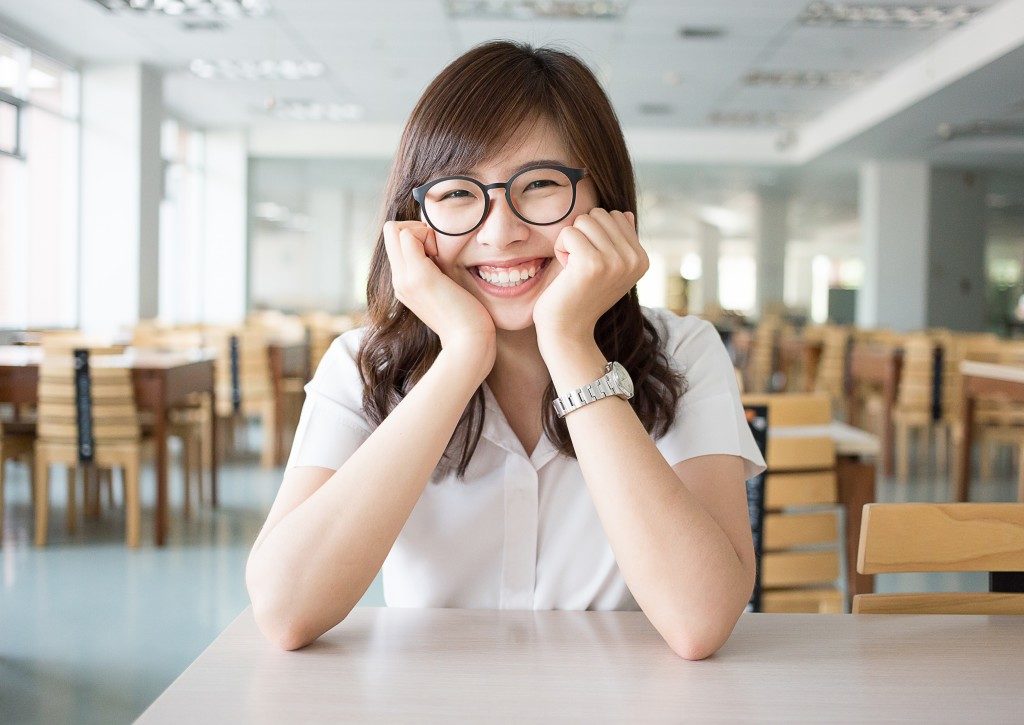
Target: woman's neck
{"x": 518, "y": 361}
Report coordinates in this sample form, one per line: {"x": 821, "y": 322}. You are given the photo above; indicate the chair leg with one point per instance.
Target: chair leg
{"x": 269, "y": 434}
{"x": 42, "y": 496}
{"x": 186, "y": 474}
{"x": 2, "y": 465}
{"x": 92, "y": 491}
{"x": 902, "y": 452}
{"x": 132, "y": 514}
{"x": 941, "y": 449}
{"x": 72, "y": 510}
{"x": 985, "y": 448}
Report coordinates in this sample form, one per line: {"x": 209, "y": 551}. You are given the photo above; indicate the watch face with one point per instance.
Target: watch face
{"x": 623, "y": 379}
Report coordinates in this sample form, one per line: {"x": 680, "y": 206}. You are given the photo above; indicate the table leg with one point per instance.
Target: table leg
{"x": 214, "y": 463}
{"x": 963, "y": 460}
{"x": 277, "y": 380}
{"x": 889, "y": 394}
{"x": 856, "y": 484}
{"x": 160, "y": 433}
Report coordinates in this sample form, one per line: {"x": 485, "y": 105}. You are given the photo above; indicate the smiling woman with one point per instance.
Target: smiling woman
{"x": 510, "y": 429}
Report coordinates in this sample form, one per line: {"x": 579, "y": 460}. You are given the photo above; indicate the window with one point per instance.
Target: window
{"x": 39, "y": 138}
{"x": 181, "y": 223}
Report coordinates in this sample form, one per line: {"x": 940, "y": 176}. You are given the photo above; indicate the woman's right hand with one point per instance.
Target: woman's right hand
{"x": 459, "y": 319}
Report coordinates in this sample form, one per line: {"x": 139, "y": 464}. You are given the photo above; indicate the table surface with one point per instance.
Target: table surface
{"x": 1012, "y": 373}
{"x": 850, "y": 441}
{"x": 395, "y": 664}
{"x": 25, "y": 355}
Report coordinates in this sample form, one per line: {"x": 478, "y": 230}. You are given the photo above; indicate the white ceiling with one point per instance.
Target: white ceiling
{"x": 380, "y": 55}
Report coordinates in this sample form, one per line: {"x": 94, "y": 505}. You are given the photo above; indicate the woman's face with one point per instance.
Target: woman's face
{"x": 503, "y": 239}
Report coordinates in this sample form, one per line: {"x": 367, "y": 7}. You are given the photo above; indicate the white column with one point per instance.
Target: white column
{"x": 956, "y": 259}
{"x": 893, "y": 203}
{"x": 121, "y": 187}
{"x": 225, "y": 232}
{"x": 709, "y": 238}
{"x": 772, "y": 234}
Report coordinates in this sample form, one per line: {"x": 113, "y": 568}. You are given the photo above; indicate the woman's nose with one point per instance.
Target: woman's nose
{"x": 501, "y": 226}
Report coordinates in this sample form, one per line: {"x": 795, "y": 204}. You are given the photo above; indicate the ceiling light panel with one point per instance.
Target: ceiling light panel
{"x": 888, "y": 15}
{"x": 256, "y": 70}
{"x": 315, "y": 111}
{"x": 810, "y": 79}
{"x": 535, "y": 9}
{"x": 176, "y": 8}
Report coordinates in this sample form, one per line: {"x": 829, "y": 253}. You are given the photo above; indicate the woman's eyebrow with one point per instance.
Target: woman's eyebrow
{"x": 517, "y": 169}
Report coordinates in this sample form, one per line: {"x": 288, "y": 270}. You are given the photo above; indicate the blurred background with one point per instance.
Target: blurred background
{"x": 193, "y": 187}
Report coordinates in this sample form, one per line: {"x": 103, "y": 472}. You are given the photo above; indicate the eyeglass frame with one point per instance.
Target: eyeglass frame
{"x": 575, "y": 175}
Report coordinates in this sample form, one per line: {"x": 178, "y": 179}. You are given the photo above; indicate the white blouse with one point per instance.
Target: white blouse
{"x": 521, "y": 532}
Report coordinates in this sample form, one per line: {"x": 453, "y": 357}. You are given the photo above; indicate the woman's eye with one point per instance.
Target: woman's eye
{"x": 452, "y": 194}
{"x": 540, "y": 184}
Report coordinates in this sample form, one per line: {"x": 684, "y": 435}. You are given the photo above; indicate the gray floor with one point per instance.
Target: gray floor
{"x": 92, "y": 632}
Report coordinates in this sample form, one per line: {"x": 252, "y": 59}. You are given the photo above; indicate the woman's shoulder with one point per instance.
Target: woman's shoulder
{"x": 337, "y": 373}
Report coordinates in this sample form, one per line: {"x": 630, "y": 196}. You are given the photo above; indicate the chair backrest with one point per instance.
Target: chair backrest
{"x": 917, "y": 376}
{"x": 243, "y": 363}
{"x": 800, "y": 564}
{"x": 114, "y": 416}
{"x": 928, "y": 537}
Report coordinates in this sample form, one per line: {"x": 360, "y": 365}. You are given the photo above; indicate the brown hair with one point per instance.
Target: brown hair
{"x": 467, "y": 115}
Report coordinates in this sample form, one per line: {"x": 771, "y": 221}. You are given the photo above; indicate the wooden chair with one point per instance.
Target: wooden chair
{"x": 925, "y": 537}
{"x": 16, "y": 442}
{"x": 831, "y": 378}
{"x": 913, "y": 410}
{"x": 244, "y": 386}
{"x": 802, "y": 540}
{"x": 761, "y": 363}
{"x": 118, "y": 437}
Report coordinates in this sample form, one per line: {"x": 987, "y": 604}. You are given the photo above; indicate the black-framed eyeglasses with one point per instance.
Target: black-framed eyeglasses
{"x": 540, "y": 195}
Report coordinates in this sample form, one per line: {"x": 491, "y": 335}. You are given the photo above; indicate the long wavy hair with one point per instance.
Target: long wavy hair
{"x": 465, "y": 116}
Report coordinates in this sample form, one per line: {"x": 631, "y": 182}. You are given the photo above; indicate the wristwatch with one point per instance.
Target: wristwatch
{"x": 615, "y": 381}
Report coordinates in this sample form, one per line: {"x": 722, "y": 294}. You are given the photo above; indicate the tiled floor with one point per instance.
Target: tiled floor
{"x": 92, "y": 633}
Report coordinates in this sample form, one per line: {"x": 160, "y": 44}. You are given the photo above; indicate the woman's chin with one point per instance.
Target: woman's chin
{"x": 513, "y": 320}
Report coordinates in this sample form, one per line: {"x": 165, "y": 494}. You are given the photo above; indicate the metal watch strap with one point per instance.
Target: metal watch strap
{"x": 584, "y": 394}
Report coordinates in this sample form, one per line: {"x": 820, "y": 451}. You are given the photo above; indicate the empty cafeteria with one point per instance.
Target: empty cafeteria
{"x": 511, "y": 360}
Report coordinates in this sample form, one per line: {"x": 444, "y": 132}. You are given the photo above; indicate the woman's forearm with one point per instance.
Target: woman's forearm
{"x": 311, "y": 569}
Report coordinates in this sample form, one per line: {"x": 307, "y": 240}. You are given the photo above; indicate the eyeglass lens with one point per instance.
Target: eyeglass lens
{"x": 541, "y": 196}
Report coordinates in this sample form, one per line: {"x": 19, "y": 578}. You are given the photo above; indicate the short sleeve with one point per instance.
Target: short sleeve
{"x": 709, "y": 418}
{"x": 332, "y": 424}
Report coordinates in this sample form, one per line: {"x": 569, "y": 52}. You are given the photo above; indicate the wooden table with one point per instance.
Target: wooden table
{"x": 881, "y": 365}
{"x": 983, "y": 380}
{"x": 161, "y": 379}
{"x": 856, "y": 452}
{"x": 289, "y": 358}
{"x": 474, "y": 665}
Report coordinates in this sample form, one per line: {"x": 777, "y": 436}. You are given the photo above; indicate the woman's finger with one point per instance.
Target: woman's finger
{"x": 598, "y": 236}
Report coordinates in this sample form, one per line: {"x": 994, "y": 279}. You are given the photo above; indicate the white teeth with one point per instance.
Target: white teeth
{"x": 511, "y": 278}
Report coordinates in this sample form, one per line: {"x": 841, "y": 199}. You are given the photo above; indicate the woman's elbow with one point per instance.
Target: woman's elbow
{"x": 283, "y": 632}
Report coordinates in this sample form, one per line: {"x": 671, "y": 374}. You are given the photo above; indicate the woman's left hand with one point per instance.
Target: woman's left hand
{"x": 601, "y": 260}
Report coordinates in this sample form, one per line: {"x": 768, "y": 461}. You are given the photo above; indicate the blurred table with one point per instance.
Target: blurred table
{"x": 475, "y": 665}
{"x": 856, "y": 452}
{"x": 983, "y": 380}
{"x": 880, "y": 365}
{"x": 161, "y": 379}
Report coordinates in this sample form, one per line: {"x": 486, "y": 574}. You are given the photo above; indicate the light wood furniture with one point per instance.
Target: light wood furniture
{"x": 876, "y": 364}
{"x": 800, "y": 566}
{"x": 160, "y": 381}
{"x": 116, "y": 436}
{"x": 832, "y": 367}
{"x": 919, "y": 537}
{"x": 16, "y": 442}
{"x": 912, "y": 411}
{"x": 396, "y": 664}
{"x": 981, "y": 380}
